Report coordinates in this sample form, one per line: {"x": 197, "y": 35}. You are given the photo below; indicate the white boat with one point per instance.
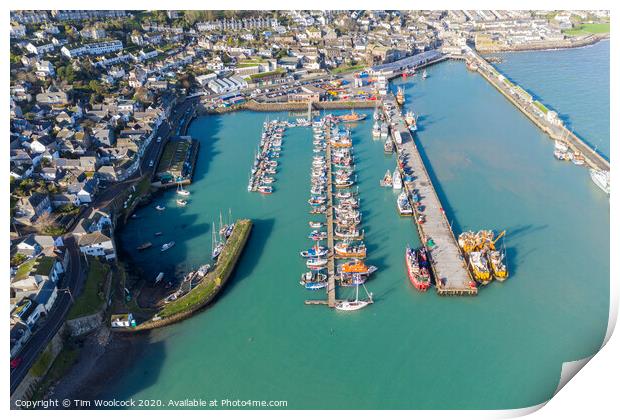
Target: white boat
{"x": 159, "y": 277}
{"x": 397, "y": 181}
{"x": 354, "y": 305}
{"x": 181, "y": 202}
{"x": 376, "y": 130}
{"x": 181, "y": 191}
{"x": 316, "y": 262}
{"x": 561, "y": 146}
{"x": 404, "y": 207}
{"x": 424, "y": 74}
{"x": 167, "y": 246}
{"x": 160, "y": 208}
{"x": 601, "y": 179}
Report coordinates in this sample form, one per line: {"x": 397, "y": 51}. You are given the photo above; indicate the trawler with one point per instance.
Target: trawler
{"x": 347, "y": 250}
{"x": 352, "y": 117}
{"x": 411, "y": 121}
{"x": 480, "y": 267}
{"x": 601, "y": 179}
{"x": 314, "y": 252}
{"x": 496, "y": 259}
{"x": 417, "y": 265}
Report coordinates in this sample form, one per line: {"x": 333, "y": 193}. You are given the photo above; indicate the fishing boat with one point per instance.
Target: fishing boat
{"x": 404, "y": 206}
{"x": 313, "y": 280}
{"x": 385, "y": 131}
{"x": 315, "y": 225}
{"x": 578, "y": 159}
{"x": 417, "y": 265}
{"x": 316, "y": 263}
{"x": 317, "y": 235}
{"x": 388, "y": 146}
{"x": 376, "y": 130}
{"x": 397, "y": 182}
{"x": 314, "y": 252}
{"x": 400, "y": 96}
{"x": 160, "y": 208}
{"x": 354, "y": 305}
{"x": 318, "y": 210}
{"x": 347, "y": 250}
{"x": 601, "y": 179}
{"x": 348, "y": 233}
{"x": 265, "y": 189}
{"x": 561, "y": 146}
{"x": 144, "y": 246}
{"x": 181, "y": 202}
{"x": 479, "y": 267}
{"x": 411, "y": 121}
{"x": 496, "y": 260}
{"x": 467, "y": 241}
{"x": 387, "y": 179}
{"x": 167, "y": 246}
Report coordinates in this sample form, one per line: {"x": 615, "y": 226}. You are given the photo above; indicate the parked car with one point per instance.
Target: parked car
{"x": 151, "y": 163}
{"x": 16, "y": 362}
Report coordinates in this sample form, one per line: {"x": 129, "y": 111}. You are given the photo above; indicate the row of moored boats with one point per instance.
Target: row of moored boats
{"x": 344, "y": 205}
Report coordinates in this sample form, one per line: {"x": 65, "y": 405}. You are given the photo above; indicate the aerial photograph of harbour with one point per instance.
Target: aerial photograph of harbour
{"x": 306, "y": 209}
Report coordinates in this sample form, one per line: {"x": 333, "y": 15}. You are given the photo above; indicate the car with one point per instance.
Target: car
{"x": 159, "y": 139}
{"x": 151, "y": 163}
{"x": 16, "y": 362}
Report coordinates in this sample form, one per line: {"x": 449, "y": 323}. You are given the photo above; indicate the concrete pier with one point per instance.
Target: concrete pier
{"x": 449, "y": 267}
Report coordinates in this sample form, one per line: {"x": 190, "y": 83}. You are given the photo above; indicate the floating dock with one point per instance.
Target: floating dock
{"x": 448, "y": 263}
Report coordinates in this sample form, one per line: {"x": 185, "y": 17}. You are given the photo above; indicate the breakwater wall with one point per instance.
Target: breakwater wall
{"x": 548, "y": 45}
{"x": 207, "y": 290}
{"x": 293, "y": 106}
{"x": 554, "y": 131}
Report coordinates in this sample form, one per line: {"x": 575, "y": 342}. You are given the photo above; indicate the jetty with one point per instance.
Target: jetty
{"x": 331, "y": 270}
{"x": 448, "y": 264}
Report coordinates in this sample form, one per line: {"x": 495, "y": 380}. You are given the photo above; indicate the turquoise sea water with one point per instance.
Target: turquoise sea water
{"x": 574, "y": 82}
{"x": 502, "y": 349}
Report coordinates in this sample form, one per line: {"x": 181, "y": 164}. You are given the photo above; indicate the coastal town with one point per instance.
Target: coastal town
{"x": 101, "y": 102}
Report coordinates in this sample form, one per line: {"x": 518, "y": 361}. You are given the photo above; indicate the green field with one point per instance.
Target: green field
{"x": 346, "y": 69}
{"x": 92, "y": 297}
{"x": 588, "y": 28}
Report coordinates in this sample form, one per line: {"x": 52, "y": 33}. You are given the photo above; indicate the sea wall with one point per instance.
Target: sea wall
{"x": 549, "y": 45}
{"x": 292, "y": 106}
{"x": 85, "y": 324}
{"x": 219, "y": 277}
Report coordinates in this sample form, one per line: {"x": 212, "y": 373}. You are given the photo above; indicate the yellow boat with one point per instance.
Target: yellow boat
{"x": 467, "y": 241}
{"x": 496, "y": 259}
{"x": 480, "y": 267}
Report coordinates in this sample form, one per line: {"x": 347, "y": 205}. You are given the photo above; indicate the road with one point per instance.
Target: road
{"x": 55, "y": 318}
{"x": 74, "y": 275}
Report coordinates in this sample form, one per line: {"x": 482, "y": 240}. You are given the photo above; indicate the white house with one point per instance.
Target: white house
{"x": 97, "y": 244}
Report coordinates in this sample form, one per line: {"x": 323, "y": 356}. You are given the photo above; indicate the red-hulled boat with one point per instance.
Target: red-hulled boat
{"x": 417, "y": 265}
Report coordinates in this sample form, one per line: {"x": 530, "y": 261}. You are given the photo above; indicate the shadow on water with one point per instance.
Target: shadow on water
{"x": 252, "y": 254}
{"x": 205, "y": 130}
{"x": 522, "y": 230}
{"x": 451, "y": 214}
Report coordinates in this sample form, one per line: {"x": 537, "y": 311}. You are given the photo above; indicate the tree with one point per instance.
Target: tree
{"x": 17, "y": 259}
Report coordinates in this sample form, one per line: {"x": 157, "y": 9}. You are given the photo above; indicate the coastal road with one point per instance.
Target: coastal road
{"x": 55, "y": 318}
